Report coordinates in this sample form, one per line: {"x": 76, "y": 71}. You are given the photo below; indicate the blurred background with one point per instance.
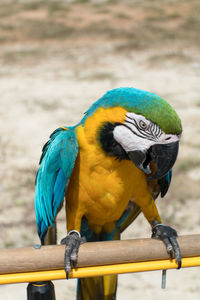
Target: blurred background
{"x": 56, "y": 59}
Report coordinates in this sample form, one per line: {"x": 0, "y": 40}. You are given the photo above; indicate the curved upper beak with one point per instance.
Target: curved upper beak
{"x": 163, "y": 156}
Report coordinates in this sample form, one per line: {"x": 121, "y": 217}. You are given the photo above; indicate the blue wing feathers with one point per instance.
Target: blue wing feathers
{"x": 56, "y": 165}
{"x": 164, "y": 183}
{"x": 169, "y": 176}
{"x": 59, "y": 191}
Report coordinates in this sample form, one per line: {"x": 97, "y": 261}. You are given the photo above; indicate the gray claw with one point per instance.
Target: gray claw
{"x": 72, "y": 242}
{"x": 177, "y": 252}
{"x": 169, "y": 237}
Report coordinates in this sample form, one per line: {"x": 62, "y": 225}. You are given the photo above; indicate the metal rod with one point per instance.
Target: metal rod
{"x": 164, "y": 277}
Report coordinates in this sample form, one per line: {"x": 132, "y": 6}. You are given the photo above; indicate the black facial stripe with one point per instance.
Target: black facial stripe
{"x": 141, "y": 136}
{"x": 130, "y": 123}
{"x": 158, "y": 131}
{"x": 130, "y": 118}
{"x": 141, "y": 131}
{"x": 132, "y": 130}
{"x": 153, "y": 129}
{"x": 134, "y": 123}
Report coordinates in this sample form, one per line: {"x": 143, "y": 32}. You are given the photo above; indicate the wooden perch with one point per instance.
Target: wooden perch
{"x": 93, "y": 254}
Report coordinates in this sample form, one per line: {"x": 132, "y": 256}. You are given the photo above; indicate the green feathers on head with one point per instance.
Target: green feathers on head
{"x": 151, "y": 106}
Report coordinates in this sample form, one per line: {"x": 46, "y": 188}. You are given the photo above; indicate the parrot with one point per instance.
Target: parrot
{"x": 108, "y": 168}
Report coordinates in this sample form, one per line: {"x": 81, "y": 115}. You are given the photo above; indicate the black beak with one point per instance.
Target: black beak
{"x": 139, "y": 158}
{"x": 163, "y": 155}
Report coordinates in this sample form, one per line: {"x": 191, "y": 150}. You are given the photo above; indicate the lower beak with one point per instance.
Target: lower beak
{"x": 139, "y": 158}
{"x": 163, "y": 156}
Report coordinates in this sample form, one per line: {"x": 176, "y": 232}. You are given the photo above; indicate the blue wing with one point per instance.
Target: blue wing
{"x": 56, "y": 165}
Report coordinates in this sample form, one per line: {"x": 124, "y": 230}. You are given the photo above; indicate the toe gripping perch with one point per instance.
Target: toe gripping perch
{"x": 169, "y": 237}
{"x": 72, "y": 242}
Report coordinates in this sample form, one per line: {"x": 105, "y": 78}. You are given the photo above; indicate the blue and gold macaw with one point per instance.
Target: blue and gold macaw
{"x": 109, "y": 167}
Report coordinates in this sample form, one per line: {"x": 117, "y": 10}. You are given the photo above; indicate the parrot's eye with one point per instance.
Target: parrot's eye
{"x": 143, "y": 125}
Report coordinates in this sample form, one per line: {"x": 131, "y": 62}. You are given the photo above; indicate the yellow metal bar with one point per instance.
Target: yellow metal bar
{"x": 98, "y": 270}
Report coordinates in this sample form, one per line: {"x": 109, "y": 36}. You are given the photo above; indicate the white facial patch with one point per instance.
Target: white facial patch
{"x": 128, "y": 140}
{"x": 138, "y": 133}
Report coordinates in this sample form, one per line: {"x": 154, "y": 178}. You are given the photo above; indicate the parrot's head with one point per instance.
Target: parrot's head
{"x": 144, "y": 141}
{"x": 150, "y": 131}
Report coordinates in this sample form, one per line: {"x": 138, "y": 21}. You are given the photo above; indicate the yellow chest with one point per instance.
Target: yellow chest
{"x": 101, "y": 186}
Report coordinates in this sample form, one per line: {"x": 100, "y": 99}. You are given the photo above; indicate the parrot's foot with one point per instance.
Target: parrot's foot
{"x": 169, "y": 237}
{"x": 72, "y": 242}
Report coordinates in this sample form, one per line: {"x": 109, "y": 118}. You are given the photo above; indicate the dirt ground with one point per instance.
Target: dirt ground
{"x": 56, "y": 59}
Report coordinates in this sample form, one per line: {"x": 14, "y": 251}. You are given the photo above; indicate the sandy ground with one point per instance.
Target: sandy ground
{"x": 56, "y": 59}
